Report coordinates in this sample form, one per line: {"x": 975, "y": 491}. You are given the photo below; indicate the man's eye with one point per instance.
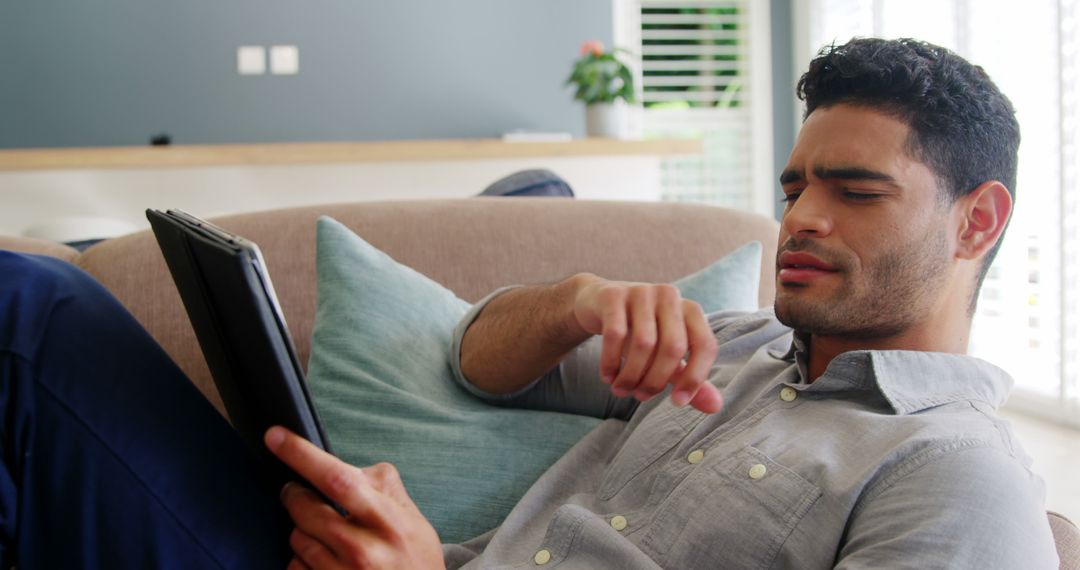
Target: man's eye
{"x": 788, "y": 198}
{"x": 861, "y": 196}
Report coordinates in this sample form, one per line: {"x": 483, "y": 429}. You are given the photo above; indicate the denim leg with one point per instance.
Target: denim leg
{"x": 111, "y": 457}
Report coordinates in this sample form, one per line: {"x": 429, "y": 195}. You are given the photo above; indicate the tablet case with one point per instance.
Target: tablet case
{"x": 230, "y": 300}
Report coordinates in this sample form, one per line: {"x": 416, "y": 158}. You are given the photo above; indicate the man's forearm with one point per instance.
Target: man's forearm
{"x": 652, "y": 338}
{"x": 522, "y": 334}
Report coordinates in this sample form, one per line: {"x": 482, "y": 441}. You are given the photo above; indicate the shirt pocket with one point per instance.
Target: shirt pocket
{"x": 735, "y": 512}
{"x": 656, "y": 435}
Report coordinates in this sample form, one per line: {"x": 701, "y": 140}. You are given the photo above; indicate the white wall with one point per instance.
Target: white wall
{"x": 68, "y": 205}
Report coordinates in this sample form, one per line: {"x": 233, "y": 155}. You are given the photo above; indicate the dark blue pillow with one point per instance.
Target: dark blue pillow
{"x": 535, "y": 182}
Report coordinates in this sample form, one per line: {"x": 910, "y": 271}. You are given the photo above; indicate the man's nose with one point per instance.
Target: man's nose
{"x": 809, "y": 215}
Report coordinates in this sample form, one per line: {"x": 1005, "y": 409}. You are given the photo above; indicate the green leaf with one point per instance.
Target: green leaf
{"x": 602, "y": 78}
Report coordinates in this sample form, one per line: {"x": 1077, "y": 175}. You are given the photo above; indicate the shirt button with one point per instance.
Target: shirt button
{"x": 758, "y": 471}
{"x": 542, "y": 557}
{"x": 618, "y": 522}
{"x": 788, "y": 394}
{"x": 695, "y": 456}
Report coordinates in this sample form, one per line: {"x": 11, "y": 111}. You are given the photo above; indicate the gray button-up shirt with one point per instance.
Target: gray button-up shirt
{"x": 890, "y": 459}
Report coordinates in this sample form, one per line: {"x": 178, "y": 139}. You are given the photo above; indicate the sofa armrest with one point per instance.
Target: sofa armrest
{"x": 1067, "y": 538}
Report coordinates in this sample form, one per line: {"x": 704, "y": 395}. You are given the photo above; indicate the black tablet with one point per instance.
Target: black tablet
{"x": 227, "y": 293}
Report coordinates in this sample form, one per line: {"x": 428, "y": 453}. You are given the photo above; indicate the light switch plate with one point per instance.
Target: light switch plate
{"x": 284, "y": 60}
{"x": 251, "y": 60}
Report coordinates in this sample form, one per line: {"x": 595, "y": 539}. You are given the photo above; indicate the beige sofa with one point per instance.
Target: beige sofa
{"x": 471, "y": 246}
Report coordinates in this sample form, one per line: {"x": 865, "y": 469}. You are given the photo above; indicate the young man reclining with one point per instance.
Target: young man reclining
{"x": 846, "y": 430}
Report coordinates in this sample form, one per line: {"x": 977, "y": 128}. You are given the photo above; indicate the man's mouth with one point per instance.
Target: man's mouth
{"x": 801, "y": 267}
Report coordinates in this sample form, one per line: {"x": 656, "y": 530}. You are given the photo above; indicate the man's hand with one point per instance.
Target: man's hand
{"x": 652, "y": 338}
{"x": 383, "y": 528}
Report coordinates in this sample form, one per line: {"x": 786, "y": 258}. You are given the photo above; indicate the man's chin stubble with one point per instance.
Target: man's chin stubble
{"x": 830, "y": 320}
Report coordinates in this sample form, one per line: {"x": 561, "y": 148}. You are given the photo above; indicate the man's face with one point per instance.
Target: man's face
{"x": 864, "y": 247}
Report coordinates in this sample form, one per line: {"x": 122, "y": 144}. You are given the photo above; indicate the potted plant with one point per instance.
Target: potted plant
{"x": 605, "y": 85}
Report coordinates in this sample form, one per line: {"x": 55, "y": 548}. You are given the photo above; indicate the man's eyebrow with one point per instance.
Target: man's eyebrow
{"x": 852, "y": 173}
{"x": 838, "y": 173}
{"x": 790, "y": 175}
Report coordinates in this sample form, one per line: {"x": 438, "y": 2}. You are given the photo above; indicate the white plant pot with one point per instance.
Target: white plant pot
{"x": 606, "y": 120}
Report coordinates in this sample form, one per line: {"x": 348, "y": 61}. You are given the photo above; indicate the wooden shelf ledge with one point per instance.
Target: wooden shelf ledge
{"x": 280, "y": 154}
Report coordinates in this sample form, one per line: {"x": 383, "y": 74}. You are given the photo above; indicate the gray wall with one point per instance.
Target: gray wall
{"x": 116, "y": 72}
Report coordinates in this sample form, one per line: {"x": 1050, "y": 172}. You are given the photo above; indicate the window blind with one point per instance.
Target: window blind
{"x": 701, "y": 65}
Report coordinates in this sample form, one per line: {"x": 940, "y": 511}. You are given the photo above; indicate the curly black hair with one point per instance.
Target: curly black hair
{"x": 962, "y": 126}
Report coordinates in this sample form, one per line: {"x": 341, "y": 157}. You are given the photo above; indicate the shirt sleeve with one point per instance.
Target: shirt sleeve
{"x": 573, "y": 386}
{"x": 976, "y": 507}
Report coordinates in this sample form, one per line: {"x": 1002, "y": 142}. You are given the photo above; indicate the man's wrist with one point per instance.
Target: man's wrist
{"x": 572, "y": 332}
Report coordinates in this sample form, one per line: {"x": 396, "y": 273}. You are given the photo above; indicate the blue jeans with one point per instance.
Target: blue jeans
{"x": 111, "y": 457}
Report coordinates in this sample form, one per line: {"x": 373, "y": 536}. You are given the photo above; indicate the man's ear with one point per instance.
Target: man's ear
{"x": 984, "y": 214}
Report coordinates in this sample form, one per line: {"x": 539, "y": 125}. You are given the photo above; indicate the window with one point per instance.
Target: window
{"x": 702, "y": 71}
{"x": 1028, "y": 320}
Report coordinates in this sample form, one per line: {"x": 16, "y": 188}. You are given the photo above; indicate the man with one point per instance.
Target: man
{"x": 863, "y": 439}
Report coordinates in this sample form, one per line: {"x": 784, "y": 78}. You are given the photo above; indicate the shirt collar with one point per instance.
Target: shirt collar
{"x": 908, "y": 380}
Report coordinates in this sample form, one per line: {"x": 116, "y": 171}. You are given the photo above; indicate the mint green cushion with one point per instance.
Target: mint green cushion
{"x": 381, "y": 379}
{"x": 727, "y": 284}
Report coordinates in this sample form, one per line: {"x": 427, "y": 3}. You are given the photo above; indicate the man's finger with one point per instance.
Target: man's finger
{"x": 316, "y": 519}
{"x": 297, "y": 564}
{"x": 310, "y": 553}
{"x": 640, "y": 343}
{"x": 708, "y": 399}
{"x": 615, "y": 327}
{"x": 702, "y": 355}
{"x": 340, "y": 482}
{"x": 308, "y": 510}
{"x": 385, "y": 478}
{"x": 671, "y": 345}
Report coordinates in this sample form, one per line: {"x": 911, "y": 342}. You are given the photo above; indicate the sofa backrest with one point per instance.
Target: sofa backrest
{"x": 471, "y": 246}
